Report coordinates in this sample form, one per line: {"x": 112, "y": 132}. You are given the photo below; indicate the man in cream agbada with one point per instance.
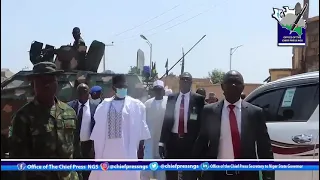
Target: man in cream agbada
{"x": 119, "y": 129}
{"x": 155, "y": 108}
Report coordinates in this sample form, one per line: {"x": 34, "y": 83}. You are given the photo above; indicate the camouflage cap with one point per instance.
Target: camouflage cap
{"x": 43, "y": 68}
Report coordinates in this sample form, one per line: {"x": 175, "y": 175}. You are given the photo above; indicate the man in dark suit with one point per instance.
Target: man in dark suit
{"x": 85, "y": 110}
{"x": 202, "y": 92}
{"x": 233, "y": 129}
{"x": 212, "y": 98}
{"x": 181, "y": 123}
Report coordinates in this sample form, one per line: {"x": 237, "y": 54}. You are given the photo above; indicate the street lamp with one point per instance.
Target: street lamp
{"x": 232, "y": 50}
{"x": 104, "y": 56}
{"x": 150, "y": 45}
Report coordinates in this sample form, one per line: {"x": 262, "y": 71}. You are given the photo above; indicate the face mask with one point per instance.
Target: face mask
{"x": 96, "y": 100}
{"x": 121, "y": 92}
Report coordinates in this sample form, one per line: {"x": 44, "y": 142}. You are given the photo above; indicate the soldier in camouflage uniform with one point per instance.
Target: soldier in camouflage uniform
{"x": 78, "y": 41}
{"x": 44, "y": 128}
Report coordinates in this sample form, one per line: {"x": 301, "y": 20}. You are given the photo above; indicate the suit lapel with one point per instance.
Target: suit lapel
{"x": 171, "y": 108}
{"x": 217, "y": 113}
{"x": 173, "y": 105}
{"x": 191, "y": 102}
{"x": 244, "y": 125}
{"x": 75, "y": 106}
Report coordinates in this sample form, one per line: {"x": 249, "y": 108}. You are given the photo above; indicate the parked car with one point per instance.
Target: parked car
{"x": 291, "y": 105}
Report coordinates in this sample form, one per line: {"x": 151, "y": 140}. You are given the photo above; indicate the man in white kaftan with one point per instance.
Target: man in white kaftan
{"x": 155, "y": 108}
{"x": 119, "y": 128}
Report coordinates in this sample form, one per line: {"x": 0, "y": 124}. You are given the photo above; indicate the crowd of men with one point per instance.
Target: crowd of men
{"x": 181, "y": 125}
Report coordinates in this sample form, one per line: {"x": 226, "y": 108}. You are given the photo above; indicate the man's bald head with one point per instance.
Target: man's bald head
{"x": 186, "y": 75}
{"x": 83, "y": 92}
{"x": 232, "y": 86}
{"x": 82, "y": 86}
{"x": 233, "y": 74}
{"x": 185, "y": 82}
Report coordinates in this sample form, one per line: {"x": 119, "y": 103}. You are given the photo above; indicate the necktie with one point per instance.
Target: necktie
{"x": 80, "y": 113}
{"x": 234, "y": 132}
{"x": 181, "y": 117}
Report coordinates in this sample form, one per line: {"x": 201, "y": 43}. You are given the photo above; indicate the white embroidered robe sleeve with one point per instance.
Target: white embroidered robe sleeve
{"x": 144, "y": 130}
{"x": 99, "y": 130}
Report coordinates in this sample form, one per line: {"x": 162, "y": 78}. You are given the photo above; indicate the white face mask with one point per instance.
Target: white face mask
{"x": 121, "y": 92}
{"x": 96, "y": 100}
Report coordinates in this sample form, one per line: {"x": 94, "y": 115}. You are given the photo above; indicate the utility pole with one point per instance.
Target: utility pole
{"x": 104, "y": 56}
{"x": 182, "y": 62}
{"x": 185, "y": 54}
{"x": 150, "y": 45}
{"x": 232, "y": 50}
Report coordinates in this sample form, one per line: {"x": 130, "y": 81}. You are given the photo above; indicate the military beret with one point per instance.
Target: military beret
{"x": 45, "y": 68}
{"x": 95, "y": 89}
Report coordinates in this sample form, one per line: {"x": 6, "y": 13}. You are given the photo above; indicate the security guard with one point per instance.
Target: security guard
{"x": 45, "y": 128}
{"x": 96, "y": 94}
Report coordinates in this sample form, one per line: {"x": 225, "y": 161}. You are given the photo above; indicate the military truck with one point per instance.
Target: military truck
{"x": 17, "y": 90}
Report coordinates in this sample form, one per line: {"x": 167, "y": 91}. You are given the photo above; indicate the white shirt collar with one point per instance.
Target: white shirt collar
{"x": 186, "y": 94}
{"x": 237, "y": 104}
{"x": 85, "y": 104}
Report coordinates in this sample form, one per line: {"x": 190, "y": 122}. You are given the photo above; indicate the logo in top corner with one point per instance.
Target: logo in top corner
{"x": 291, "y": 26}
{"x": 104, "y": 166}
{"x": 21, "y": 166}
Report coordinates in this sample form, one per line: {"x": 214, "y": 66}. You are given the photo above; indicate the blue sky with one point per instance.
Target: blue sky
{"x": 227, "y": 23}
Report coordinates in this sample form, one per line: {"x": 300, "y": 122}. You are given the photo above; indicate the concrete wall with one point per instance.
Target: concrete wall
{"x": 279, "y": 73}
{"x": 306, "y": 59}
{"x": 312, "y": 49}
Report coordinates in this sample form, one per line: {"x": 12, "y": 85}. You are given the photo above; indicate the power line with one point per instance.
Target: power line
{"x": 163, "y": 23}
{"x": 189, "y": 10}
{"x": 205, "y": 11}
{"x": 175, "y": 25}
{"x": 191, "y": 18}
{"x": 155, "y": 17}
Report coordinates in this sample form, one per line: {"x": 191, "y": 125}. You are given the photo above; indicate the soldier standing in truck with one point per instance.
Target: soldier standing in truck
{"x": 78, "y": 41}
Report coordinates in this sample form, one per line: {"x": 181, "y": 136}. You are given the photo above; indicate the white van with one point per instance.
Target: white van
{"x": 292, "y": 109}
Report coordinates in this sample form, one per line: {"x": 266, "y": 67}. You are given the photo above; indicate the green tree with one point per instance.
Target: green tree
{"x": 134, "y": 70}
{"x": 216, "y": 76}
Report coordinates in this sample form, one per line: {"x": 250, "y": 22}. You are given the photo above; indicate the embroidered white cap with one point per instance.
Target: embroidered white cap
{"x": 158, "y": 83}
